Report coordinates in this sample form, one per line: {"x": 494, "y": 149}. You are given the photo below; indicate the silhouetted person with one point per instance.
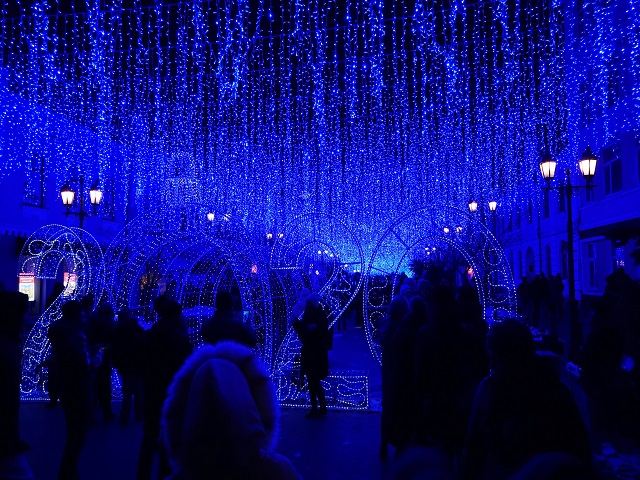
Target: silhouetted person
{"x": 398, "y": 309}
{"x": 99, "y": 331}
{"x": 87, "y": 302}
{"x": 524, "y": 298}
{"x": 610, "y": 360}
{"x": 537, "y": 298}
{"x": 52, "y": 381}
{"x": 313, "y": 332}
{"x": 220, "y": 419}
{"x": 358, "y": 302}
{"x": 556, "y": 290}
{"x": 70, "y": 357}
{"x": 223, "y": 325}
{"x": 298, "y": 307}
{"x": 126, "y": 349}
{"x": 436, "y": 377}
{"x": 13, "y": 306}
{"x": 399, "y": 409}
{"x": 522, "y": 413}
{"x": 166, "y": 346}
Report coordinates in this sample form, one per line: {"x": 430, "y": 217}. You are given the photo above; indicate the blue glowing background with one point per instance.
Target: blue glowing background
{"x": 270, "y": 109}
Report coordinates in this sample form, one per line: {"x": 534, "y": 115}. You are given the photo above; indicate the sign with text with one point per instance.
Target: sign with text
{"x": 27, "y": 285}
{"x": 70, "y": 283}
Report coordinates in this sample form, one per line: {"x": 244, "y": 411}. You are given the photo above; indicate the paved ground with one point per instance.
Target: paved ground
{"x": 342, "y": 445}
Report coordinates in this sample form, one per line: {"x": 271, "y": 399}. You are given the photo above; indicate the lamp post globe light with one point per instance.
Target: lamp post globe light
{"x": 68, "y": 195}
{"x": 587, "y": 164}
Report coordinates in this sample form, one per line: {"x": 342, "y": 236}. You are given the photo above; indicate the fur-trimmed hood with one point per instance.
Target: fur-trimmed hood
{"x": 221, "y": 411}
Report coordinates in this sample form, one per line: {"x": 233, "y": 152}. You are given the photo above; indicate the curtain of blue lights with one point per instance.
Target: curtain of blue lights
{"x": 358, "y": 108}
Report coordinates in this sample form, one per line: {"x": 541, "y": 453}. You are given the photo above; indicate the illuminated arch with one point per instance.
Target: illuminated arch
{"x": 322, "y": 253}
{"x": 436, "y": 226}
{"x": 180, "y": 249}
{"x": 44, "y": 252}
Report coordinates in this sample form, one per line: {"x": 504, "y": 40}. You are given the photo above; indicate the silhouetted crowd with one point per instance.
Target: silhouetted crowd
{"x": 459, "y": 399}
{"x": 482, "y": 399}
{"x": 541, "y": 296}
{"x": 155, "y": 373}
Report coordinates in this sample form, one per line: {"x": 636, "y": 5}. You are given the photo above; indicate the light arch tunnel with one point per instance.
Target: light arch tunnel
{"x": 426, "y": 231}
{"x": 195, "y": 258}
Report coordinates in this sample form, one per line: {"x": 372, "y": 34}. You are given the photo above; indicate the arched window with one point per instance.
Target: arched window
{"x": 530, "y": 261}
{"x": 564, "y": 258}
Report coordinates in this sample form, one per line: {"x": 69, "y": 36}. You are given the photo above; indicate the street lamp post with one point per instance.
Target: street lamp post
{"x": 587, "y": 165}
{"x": 68, "y": 195}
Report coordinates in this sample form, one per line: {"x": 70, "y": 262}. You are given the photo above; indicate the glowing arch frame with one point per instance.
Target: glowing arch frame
{"x": 41, "y": 256}
{"x": 173, "y": 241}
{"x": 447, "y": 226}
{"x": 332, "y": 241}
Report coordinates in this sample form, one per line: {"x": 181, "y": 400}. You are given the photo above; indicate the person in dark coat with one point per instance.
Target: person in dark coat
{"x": 70, "y": 358}
{"x": 223, "y": 326}
{"x": 398, "y": 309}
{"x": 13, "y": 306}
{"x": 436, "y": 366}
{"x": 99, "y": 331}
{"x": 400, "y": 411}
{"x": 523, "y": 414}
{"x": 126, "y": 349}
{"x": 313, "y": 332}
{"x": 165, "y": 348}
{"x": 52, "y": 381}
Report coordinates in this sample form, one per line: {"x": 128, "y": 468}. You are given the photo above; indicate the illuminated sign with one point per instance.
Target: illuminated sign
{"x": 27, "y": 285}
{"x": 70, "y": 283}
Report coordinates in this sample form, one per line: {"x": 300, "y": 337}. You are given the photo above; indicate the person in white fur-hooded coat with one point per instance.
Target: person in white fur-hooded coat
{"x": 220, "y": 419}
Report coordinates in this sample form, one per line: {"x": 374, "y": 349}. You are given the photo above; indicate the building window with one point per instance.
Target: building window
{"x": 612, "y": 169}
{"x": 591, "y": 259}
{"x": 513, "y": 267}
{"x": 561, "y": 204}
{"x": 520, "y": 265}
{"x": 549, "y": 262}
{"x": 34, "y": 186}
{"x": 564, "y": 259}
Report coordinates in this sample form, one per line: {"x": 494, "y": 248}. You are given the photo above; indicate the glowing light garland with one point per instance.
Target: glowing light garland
{"x": 285, "y": 110}
{"x": 43, "y": 253}
{"x": 363, "y": 110}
